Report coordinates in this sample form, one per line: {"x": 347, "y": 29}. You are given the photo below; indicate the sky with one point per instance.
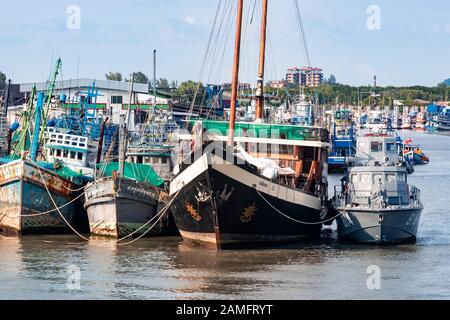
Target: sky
{"x": 408, "y": 43}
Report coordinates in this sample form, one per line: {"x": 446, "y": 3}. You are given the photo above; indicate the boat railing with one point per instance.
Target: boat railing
{"x": 344, "y": 197}
{"x": 415, "y": 195}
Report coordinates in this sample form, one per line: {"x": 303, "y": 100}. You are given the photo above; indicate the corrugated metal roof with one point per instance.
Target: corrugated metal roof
{"x": 85, "y": 83}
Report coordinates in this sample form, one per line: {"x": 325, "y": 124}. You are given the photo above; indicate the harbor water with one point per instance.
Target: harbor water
{"x": 66, "y": 267}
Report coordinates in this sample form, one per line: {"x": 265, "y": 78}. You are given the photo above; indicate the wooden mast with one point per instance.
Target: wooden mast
{"x": 234, "y": 88}
{"x": 262, "y": 59}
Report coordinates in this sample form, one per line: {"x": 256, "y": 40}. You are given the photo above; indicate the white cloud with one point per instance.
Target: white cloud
{"x": 189, "y": 20}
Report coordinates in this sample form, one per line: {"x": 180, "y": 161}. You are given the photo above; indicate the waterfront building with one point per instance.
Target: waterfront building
{"x": 112, "y": 97}
{"x": 308, "y": 77}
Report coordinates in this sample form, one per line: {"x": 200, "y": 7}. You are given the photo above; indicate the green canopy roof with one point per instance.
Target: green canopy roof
{"x": 263, "y": 130}
{"x": 134, "y": 171}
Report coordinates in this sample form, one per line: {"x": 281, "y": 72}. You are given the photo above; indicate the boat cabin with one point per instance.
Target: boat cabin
{"x": 293, "y": 156}
{"x": 377, "y": 150}
{"x": 70, "y": 149}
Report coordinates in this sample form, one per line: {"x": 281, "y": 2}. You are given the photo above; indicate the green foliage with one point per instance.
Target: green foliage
{"x": 2, "y": 80}
{"x": 114, "y": 76}
{"x": 140, "y": 77}
{"x": 162, "y": 83}
{"x": 186, "y": 92}
{"x": 340, "y": 93}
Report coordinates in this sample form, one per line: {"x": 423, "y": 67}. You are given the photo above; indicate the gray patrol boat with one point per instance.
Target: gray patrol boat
{"x": 375, "y": 202}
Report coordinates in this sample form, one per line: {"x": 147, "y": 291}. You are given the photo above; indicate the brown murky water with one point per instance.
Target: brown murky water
{"x": 46, "y": 267}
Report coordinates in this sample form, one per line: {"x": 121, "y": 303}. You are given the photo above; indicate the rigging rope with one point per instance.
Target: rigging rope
{"x": 208, "y": 47}
{"x": 302, "y": 32}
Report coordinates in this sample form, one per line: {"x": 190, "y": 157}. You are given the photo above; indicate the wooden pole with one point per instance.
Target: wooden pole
{"x": 234, "y": 88}
{"x": 262, "y": 61}
{"x": 100, "y": 142}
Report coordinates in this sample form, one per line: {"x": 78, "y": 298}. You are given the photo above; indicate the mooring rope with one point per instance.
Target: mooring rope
{"x": 160, "y": 214}
{"x": 46, "y": 212}
{"x": 164, "y": 211}
{"x": 56, "y": 207}
{"x": 73, "y": 190}
{"x": 292, "y": 219}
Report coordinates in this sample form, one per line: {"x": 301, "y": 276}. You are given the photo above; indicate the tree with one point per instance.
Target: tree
{"x": 2, "y": 80}
{"x": 331, "y": 80}
{"x": 163, "y": 83}
{"x": 139, "y": 77}
{"x": 114, "y": 76}
{"x": 186, "y": 91}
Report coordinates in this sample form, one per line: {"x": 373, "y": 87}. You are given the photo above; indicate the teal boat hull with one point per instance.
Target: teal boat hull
{"x": 26, "y": 206}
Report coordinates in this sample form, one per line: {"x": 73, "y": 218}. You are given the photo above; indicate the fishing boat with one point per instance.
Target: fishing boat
{"x": 375, "y": 203}
{"x": 38, "y": 196}
{"x": 250, "y": 183}
{"x": 152, "y": 143}
{"x": 444, "y": 120}
{"x": 413, "y": 153}
{"x": 343, "y": 141}
{"x": 396, "y": 119}
{"x": 375, "y": 122}
{"x": 406, "y": 119}
{"x": 303, "y": 111}
{"x": 420, "y": 122}
{"x": 4, "y": 134}
{"x": 127, "y": 199}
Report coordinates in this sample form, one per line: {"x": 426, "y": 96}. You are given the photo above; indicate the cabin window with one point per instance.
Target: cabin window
{"x": 52, "y": 152}
{"x": 164, "y": 160}
{"x": 80, "y": 156}
{"x": 66, "y": 154}
{"x": 116, "y": 99}
{"x": 58, "y": 153}
{"x": 394, "y": 201}
{"x": 401, "y": 177}
{"x": 377, "y": 178}
{"x": 376, "y": 146}
{"x": 72, "y": 154}
{"x": 354, "y": 178}
{"x": 390, "y": 146}
{"x": 391, "y": 177}
{"x": 365, "y": 178}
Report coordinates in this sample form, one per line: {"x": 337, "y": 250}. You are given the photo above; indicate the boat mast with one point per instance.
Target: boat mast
{"x": 262, "y": 59}
{"x": 154, "y": 78}
{"x": 37, "y": 125}
{"x": 7, "y": 94}
{"x": 234, "y": 87}
{"x": 123, "y": 136}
